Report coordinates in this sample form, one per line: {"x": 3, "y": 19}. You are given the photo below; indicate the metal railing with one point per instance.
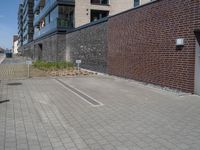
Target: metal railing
{"x": 43, "y": 12}
{"x": 36, "y": 4}
{"x": 57, "y": 24}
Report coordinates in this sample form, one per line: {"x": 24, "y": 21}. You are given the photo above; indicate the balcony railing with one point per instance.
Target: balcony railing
{"x": 64, "y": 23}
{"x": 58, "y": 24}
{"x": 36, "y": 4}
{"x": 43, "y": 12}
{"x": 25, "y": 41}
{"x": 48, "y": 6}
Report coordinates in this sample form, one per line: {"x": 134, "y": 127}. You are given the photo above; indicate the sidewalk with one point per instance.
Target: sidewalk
{"x": 2, "y": 57}
{"x": 14, "y": 60}
{"x": 45, "y": 115}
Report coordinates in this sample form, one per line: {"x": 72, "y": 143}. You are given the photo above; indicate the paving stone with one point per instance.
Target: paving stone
{"x": 42, "y": 114}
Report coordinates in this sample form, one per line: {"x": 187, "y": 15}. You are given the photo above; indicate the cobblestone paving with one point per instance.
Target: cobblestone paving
{"x": 43, "y": 115}
{"x": 13, "y": 71}
{"x": 14, "y": 60}
{"x": 13, "y": 68}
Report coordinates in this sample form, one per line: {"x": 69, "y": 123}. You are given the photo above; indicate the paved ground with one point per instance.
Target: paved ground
{"x": 2, "y": 56}
{"x": 13, "y": 68}
{"x": 13, "y": 71}
{"x": 14, "y": 60}
{"x": 16, "y": 68}
{"x": 45, "y": 114}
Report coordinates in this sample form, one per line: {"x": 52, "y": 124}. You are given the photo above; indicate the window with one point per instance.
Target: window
{"x": 100, "y": 2}
{"x": 47, "y": 20}
{"x": 136, "y": 3}
{"x": 98, "y": 14}
{"x": 66, "y": 16}
{"x": 66, "y": 12}
{"x": 54, "y": 14}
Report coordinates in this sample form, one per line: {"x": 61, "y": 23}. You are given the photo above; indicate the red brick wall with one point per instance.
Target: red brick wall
{"x": 142, "y": 43}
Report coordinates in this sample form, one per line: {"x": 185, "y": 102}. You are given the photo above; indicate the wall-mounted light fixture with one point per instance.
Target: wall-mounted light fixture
{"x": 180, "y": 42}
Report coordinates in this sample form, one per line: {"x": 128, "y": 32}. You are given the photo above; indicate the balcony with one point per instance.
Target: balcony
{"x": 25, "y": 41}
{"x": 48, "y": 6}
{"x": 25, "y": 32}
{"x": 57, "y": 25}
{"x": 44, "y": 11}
{"x": 36, "y": 4}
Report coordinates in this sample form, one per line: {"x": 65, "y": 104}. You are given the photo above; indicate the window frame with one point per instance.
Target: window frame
{"x": 134, "y": 4}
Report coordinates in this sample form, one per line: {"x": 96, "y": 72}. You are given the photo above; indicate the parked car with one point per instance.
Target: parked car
{"x": 8, "y": 53}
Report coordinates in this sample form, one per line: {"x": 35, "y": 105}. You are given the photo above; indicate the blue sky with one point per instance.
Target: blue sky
{"x": 8, "y": 22}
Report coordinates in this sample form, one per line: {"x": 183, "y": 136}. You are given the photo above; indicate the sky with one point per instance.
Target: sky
{"x": 8, "y": 22}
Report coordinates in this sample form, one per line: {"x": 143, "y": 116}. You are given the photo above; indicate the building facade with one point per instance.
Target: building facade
{"x": 27, "y": 21}
{"x": 46, "y": 22}
{"x": 15, "y": 44}
{"x": 157, "y": 43}
{"x": 39, "y": 18}
{"x": 87, "y": 11}
{"x": 52, "y": 16}
{"x": 20, "y": 25}
{"x": 43, "y": 24}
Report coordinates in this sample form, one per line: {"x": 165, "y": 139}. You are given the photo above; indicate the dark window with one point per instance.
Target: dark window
{"x": 100, "y": 2}
{"x": 66, "y": 16}
{"x": 98, "y": 14}
{"x": 136, "y": 3}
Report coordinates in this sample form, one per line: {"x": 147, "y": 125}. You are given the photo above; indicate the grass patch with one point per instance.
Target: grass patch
{"x": 58, "y": 65}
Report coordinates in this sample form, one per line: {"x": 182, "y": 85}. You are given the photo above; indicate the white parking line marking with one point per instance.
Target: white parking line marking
{"x": 93, "y": 102}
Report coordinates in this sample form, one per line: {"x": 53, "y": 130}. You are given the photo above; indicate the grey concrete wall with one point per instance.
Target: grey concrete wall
{"x": 28, "y": 50}
{"x": 90, "y": 45}
{"x": 61, "y": 47}
{"x": 53, "y": 48}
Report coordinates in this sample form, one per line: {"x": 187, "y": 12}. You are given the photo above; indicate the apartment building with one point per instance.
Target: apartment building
{"x": 52, "y": 16}
{"x": 15, "y": 44}
{"x": 39, "y": 18}
{"x": 20, "y": 25}
{"x": 27, "y": 20}
{"x": 87, "y": 11}
{"x": 46, "y": 22}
